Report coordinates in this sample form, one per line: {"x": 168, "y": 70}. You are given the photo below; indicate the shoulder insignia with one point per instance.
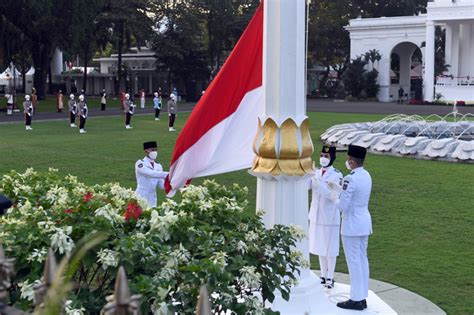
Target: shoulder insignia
{"x": 351, "y": 173}
{"x": 345, "y": 184}
{"x": 140, "y": 165}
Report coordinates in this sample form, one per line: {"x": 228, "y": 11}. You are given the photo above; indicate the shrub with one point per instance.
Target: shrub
{"x": 168, "y": 252}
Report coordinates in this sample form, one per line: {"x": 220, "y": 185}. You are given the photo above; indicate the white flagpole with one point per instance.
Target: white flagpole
{"x": 283, "y": 145}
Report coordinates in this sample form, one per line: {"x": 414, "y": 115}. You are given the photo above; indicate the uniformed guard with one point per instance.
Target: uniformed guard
{"x": 324, "y": 216}
{"x": 356, "y": 226}
{"x": 83, "y": 112}
{"x": 149, "y": 173}
{"x": 157, "y": 105}
{"x": 28, "y": 111}
{"x": 103, "y": 100}
{"x": 129, "y": 111}
{"x": 172, "y": 111}
{"x": 72, "y": 110}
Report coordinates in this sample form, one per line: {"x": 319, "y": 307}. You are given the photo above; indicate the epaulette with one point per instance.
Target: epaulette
{"x": 338, "y": 171}
{"x": 351, "y": 173}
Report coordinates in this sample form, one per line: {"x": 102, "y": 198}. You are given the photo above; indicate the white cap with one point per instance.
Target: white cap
{"x": 27, "y": 97}
{"x": 71, "y": 96}
{"x": 127, "y": 95}
{"x": 173, "y": 96}
{"x": 81, "y": 97}
{"x": 156, "y": 94}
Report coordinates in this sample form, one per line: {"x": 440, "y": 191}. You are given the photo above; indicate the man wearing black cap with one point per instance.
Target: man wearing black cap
{"x": 149, "y": 174}
{"x": 324, "y": 216}
{"x": 356, "y": 226}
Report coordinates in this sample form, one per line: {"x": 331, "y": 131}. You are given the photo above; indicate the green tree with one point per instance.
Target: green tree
{"x": 180, "y": 44}
{"x": 43, "y": 22}
{"x": 355, "y": 78}
{"x": 130, "y": 23}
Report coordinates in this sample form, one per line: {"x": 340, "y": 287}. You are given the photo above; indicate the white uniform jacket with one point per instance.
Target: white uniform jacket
{"x": 324, "y": 210}
{"x": 150, "y": 176}
{"x": 354, "y": 203}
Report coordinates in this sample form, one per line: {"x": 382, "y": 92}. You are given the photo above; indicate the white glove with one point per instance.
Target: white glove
{"x": 334, "y": 187}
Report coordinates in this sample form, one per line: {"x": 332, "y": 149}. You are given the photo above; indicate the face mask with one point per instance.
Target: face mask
{"x": 324, "y": 162}
{"x": 348, "y": 166}
{"x": 152, "y": 155}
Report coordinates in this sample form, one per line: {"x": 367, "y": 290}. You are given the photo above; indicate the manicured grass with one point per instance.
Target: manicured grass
{"x": 422, "y": 211}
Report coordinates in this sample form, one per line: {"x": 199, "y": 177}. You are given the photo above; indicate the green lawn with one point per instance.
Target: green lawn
{"x": 423, "y": 211}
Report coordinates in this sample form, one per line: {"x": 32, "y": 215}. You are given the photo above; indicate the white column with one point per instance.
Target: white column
{"x": 448, "y": 43}
{"x": 454, "y": 69}
{"x": 384, "y": 78}
{"x": 465, "y": 50}
{"x": 428, "y": 80}
{"x": 285, "y": 198}
{"x": 57, "y": 62}
{"x": 471, "y": 50}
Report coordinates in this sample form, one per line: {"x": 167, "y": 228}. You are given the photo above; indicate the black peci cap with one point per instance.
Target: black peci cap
{"x": 150, "y": 145}
{"x": 5, "y": 203}
{"x": 357, "y": 152}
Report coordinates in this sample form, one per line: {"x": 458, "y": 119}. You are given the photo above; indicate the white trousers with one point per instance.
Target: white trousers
{"x": 355, "y": 249}
{"x": 327, "y": 265}
{"x": 150, "y": 197}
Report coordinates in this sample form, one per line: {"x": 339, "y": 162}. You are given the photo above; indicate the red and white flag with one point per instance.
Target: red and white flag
{"x": 218, "y": 136}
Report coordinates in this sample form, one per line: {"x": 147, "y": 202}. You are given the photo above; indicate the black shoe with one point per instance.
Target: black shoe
{"x": 329, "y": 283}
{"x": 323, "y": 280}
{"x": 364, "y": 303}
{"x": 352, "y": 305}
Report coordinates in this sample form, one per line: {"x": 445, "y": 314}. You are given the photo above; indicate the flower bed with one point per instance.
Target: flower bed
{"x": 168, "y": 251}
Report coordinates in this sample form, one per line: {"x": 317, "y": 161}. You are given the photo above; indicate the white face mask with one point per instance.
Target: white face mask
{"x": 324, "y": 162}
{"x": 348, "y": 166}
{"x": 152, "y": 155}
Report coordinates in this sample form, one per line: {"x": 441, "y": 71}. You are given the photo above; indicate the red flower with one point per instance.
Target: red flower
{"x": 87, "y": 197}
{"x": 68, "y": 211}
{"x": 133, "y": 210}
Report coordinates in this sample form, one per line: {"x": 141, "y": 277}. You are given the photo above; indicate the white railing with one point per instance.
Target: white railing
{"x": 454, "y": 81}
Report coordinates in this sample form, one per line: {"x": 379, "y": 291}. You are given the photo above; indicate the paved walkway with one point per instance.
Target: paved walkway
{"x": 402, "y": 301}
{"x": 312, "y": 106}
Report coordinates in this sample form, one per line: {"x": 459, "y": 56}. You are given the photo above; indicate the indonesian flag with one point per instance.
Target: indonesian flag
{"x": 218, "y": 136}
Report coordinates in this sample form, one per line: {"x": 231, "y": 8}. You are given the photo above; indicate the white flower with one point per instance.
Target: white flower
{"x": 160, "y": 308}
{"x": 53, "y": 170}
{"x": 60, "y": 240}
{"x": 27, "y": 291}
{"x": 256, "y": 304}
{"x": 194, "y": 192}
{"x": 251, "y": 236}
{"x": 219, "y": 259}
{"x": 242, "y": 247}
{"x": 29, "y": 172}
{"x": 38, "y": 255}
{"x": 269, "y": 251}
{"x": 108, "y": 258}
{"x": 249, "y": 277}
{"x": 297, "y": 257}
{"x": 110, "y": 213}
{"x": 47, "y": 226}
{"x": 181, "y": 254}
{"x": 73, "y": 311}
{"x": 297, "y": 232}
{"x": 57, "y": 195}
{"x": 162, "y": 224}
{"x": 25, "y": 208}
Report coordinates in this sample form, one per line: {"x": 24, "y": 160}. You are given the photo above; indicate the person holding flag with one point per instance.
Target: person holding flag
{"x": 149, "y": 174}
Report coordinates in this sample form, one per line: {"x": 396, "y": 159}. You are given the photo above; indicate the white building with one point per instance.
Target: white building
{"x": 403, "y": 37}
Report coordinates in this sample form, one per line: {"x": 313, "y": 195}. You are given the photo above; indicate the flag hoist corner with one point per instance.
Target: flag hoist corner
{"x": 218, "y": 135}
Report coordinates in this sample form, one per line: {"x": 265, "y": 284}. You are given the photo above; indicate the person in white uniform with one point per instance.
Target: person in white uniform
{"x": 150, "y": 174}
{"x": 356, "y": 226}
{"x": 324, "y": 216}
